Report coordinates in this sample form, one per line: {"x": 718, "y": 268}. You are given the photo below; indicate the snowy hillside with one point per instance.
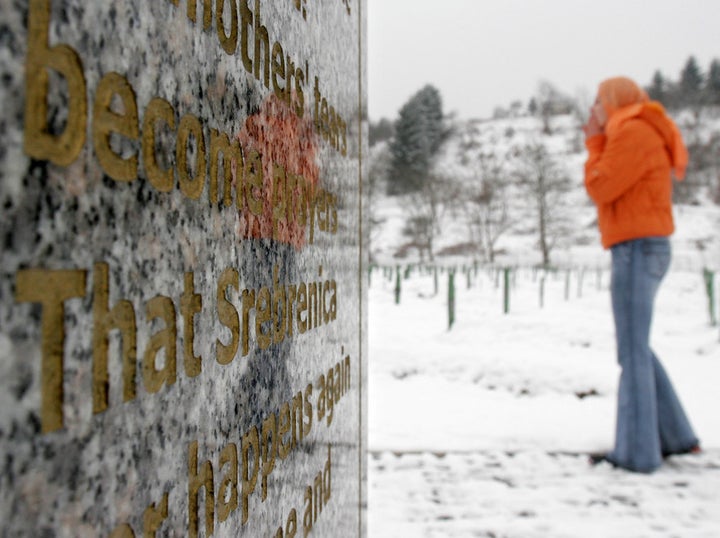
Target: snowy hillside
{"x": 696, "y": 242}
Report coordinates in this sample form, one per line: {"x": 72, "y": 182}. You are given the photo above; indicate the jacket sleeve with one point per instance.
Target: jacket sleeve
{"x": 616, "y": 162}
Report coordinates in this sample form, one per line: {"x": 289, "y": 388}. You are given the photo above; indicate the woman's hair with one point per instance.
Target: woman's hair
{"x": 619, "y": 92}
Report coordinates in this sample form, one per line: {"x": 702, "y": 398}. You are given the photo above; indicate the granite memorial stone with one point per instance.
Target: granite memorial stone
{"x": 182, "y": 293}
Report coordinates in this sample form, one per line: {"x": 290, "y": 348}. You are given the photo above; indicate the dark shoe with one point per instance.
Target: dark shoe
{"x": 695, "y": 449}
{"x": 596, "y": 459}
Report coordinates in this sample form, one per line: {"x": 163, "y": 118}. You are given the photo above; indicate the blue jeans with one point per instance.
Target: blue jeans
{"x": 650, "y": 419}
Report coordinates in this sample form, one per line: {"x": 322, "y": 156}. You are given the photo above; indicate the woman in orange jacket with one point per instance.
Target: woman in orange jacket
{"x": 635, "y": 149}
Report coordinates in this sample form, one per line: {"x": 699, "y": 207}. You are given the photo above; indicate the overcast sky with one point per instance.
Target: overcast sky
{"x": 484, "y": 53}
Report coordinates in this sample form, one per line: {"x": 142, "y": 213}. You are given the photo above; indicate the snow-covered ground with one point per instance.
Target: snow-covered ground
{"x": 482, "y": 430}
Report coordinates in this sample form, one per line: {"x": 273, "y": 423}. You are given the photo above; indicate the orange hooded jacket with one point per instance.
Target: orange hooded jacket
{"x": 628, "y": 173}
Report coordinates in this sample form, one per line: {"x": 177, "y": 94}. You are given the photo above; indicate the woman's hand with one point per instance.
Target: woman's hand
{"x": 592, "y": 127}
{"x": 597, "y": 120}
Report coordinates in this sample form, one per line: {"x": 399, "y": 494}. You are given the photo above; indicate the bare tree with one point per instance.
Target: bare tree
{"x": 425, "y": 209}
{"x": 546, "y": 184}
{"x": 549, "y": 102}
{"x": 485, "y": 203}
{"x": 379, "y": 161}
{"x": 580, "y": 111}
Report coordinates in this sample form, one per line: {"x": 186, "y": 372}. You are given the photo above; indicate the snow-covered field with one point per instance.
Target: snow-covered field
{"x": 482, "y": 430}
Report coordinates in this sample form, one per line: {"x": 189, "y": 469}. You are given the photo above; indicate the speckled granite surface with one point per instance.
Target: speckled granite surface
{"x": 181, "y": 348}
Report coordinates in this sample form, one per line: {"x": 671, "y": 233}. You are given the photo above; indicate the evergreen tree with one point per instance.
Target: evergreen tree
{"x": 419, "y": 133}
{"x": 712, "y": 85}
{"x": 431, "y": 104}
{"x": 691, "y": 82}
{"x": 657, "y": 89}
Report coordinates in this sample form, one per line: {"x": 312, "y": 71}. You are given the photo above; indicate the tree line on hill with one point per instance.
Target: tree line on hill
{"x": 693, "y": 87}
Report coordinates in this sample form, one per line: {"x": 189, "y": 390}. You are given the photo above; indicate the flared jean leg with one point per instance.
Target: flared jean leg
{"x": 676, "y": 433}
{"x": 650, "y": 419}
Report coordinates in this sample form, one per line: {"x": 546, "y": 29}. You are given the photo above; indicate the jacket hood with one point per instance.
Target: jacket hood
{"x": 654, "y": 114}
{"x": 618, "y": 92}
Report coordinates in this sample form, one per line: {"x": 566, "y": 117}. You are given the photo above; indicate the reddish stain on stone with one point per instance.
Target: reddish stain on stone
{"x": 282, "y": 139}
